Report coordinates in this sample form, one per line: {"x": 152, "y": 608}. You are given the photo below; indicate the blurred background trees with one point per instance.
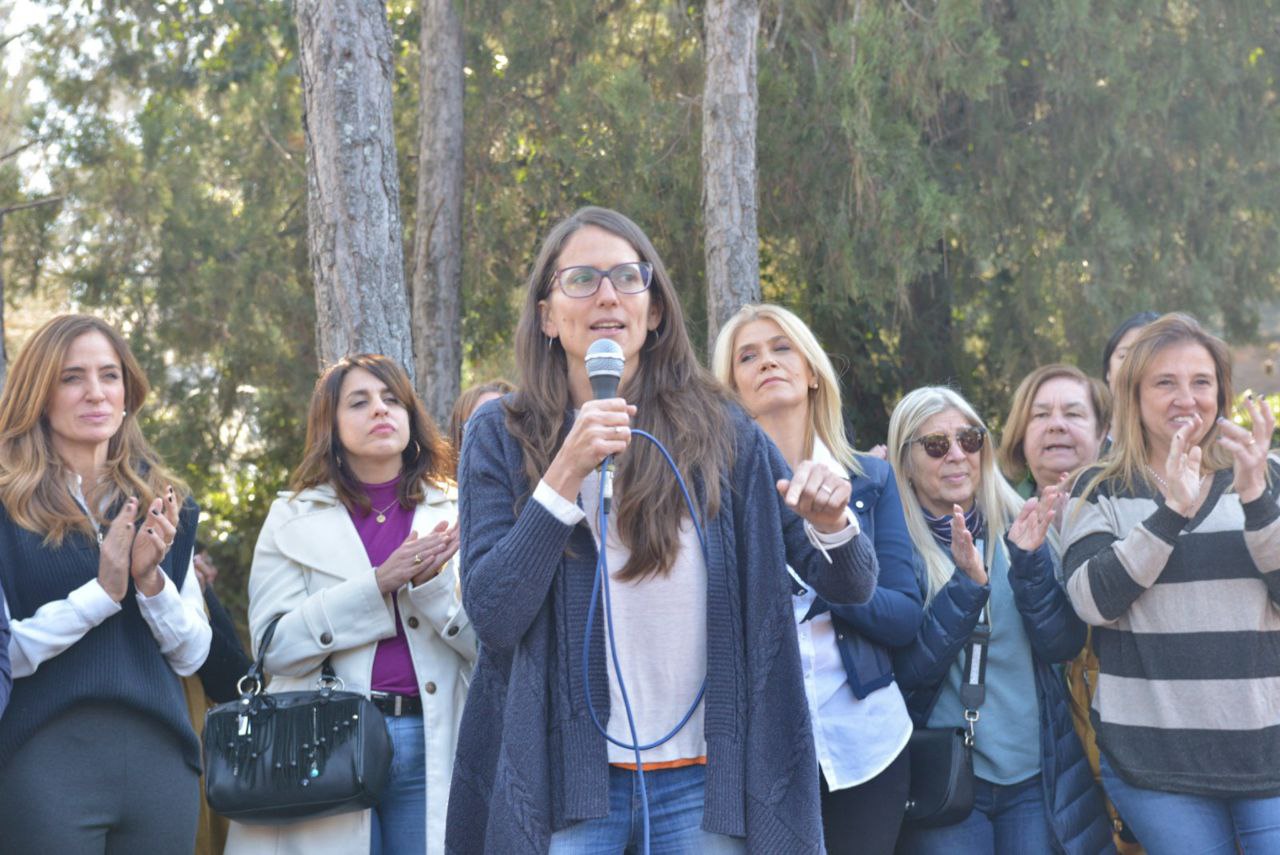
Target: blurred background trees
{"x": 949, "y": 192}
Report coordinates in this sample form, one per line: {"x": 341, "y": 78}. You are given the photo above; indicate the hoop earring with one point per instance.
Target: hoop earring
{"x": 549, "y": 340}
{"x": 417, "y": 450}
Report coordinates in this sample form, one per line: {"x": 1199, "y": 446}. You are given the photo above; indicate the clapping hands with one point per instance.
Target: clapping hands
{"x": 1249, "y": 449}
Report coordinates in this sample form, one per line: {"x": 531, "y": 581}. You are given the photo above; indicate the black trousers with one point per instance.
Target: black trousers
{"x": 99, "y": 780}
{"x": 864, "y": 820}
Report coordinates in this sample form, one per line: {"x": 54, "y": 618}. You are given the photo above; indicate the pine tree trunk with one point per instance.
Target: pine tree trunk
{"x": 353, "y": 190}
{"x": 437, "y": 240}
{"x": 729, "y": 159}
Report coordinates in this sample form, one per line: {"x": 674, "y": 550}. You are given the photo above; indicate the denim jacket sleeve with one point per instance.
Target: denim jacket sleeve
{"x": 1055, "y": 631}
{"x": 893, "y": 615}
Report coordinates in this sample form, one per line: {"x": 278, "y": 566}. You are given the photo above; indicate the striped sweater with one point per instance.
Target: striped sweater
{"x": 1187, "y": 617}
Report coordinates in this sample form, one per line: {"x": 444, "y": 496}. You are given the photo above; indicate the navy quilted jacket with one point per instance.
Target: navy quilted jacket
{"x": 1076, "y": 812}
{"x": 866, "y": 634}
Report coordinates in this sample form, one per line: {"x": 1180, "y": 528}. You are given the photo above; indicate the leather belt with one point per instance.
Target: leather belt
{"x": 390, "y": 704}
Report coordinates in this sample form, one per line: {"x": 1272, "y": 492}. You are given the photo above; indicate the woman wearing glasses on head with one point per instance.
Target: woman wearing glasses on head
{"x": 534, "y": 773}
{"x": 985, "y": 561}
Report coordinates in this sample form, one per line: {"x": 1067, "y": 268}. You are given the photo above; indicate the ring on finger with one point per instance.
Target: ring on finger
{"x": 826, "y": 487}
{"x": 417, "y": 559}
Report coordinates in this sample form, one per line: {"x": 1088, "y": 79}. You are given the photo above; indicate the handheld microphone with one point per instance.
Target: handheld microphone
{"x": 604, "y": 362}
{"x": 604, "y": 367}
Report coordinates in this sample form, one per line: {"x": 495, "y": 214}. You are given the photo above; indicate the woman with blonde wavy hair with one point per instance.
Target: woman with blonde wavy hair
{"x": 860, "y": 723}
{"x": 985, "y": 559}
{"x": 96, "y": 536}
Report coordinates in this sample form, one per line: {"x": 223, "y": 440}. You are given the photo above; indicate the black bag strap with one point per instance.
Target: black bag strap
{"x": 973, "y": 690}
{"x": 257, "y": 669}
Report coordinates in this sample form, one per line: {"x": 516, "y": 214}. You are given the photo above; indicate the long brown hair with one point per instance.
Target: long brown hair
{"x": 677, "y": 401}
{"x": 33, "y": 478}
{"x": 1127, "y": 461}
{"x": 424, "y": 460}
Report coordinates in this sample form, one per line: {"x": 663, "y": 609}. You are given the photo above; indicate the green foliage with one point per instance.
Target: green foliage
{"x": 1240, "y": 412}
{"x": 182, "y": 149}
{"x": 949, "y": 192}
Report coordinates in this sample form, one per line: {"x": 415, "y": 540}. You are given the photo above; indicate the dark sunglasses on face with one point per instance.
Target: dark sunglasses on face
{"x": 583, "y": 281}
{"x": 969, "y": 439}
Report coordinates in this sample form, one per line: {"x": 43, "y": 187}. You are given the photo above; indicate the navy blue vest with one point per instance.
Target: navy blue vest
{"x": 117, "y": 661}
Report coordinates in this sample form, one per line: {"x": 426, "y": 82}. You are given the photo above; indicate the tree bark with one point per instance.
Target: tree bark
{"x": 925, "y": 349}
{"x": 353, "y": 189}
{"x": 437, "y": 239}
{"x": 729, "y": 159}
{"x": 4, "y": 212}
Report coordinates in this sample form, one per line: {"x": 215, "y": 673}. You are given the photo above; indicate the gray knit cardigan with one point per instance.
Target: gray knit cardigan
{"x": 529, "y": 759}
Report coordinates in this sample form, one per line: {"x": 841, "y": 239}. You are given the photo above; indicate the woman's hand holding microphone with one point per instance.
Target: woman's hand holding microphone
{"x": 602, "y": 428}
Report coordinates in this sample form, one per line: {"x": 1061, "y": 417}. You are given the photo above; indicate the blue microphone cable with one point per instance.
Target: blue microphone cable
{"x": 601, "y": 581}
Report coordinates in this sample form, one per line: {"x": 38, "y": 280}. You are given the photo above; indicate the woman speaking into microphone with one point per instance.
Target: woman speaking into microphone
{"x": 691, "y": 605}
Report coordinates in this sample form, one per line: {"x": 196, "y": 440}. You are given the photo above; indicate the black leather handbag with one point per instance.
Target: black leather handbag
{"x": 941, "y": 758}
{"x": 941, "y": 777}
{"x": 277, "y": 758}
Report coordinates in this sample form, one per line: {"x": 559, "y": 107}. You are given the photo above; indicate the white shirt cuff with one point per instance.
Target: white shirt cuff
{"x": 557, "y": 505}
{"x": 822, "y": 541}
{"x": 92, "y": 602}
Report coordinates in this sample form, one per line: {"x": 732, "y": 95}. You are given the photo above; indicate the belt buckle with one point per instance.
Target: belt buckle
{"x": 381, "y": 699}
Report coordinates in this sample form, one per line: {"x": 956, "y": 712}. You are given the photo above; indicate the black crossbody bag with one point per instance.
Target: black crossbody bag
{"x": 941, "y": 791}
{"x": 276, "y": 758}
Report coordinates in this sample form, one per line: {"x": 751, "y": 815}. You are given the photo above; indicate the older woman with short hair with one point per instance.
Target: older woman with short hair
{"x": 1056, "y": 424}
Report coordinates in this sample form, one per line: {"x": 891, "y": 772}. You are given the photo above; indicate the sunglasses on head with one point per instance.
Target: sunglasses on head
{"x": 969, "y": 439}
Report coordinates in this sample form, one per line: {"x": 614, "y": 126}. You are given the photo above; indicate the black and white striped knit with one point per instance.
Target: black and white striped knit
{"x": 1187, "y": 617}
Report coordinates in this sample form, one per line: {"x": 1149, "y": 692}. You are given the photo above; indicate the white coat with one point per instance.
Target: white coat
{"x": 311, "y": 566}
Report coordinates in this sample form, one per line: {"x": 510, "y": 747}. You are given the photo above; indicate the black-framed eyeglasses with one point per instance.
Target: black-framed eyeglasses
{"x": 583, "y": 280}
{"x": 969, "y": 439}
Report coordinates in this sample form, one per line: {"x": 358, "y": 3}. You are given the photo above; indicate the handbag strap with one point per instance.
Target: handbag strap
{"x": 973, "y": 690}
{"x": 257, "y": 669}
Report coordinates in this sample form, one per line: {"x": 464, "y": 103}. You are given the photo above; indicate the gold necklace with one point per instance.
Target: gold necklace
{"x": 382, "y": 514}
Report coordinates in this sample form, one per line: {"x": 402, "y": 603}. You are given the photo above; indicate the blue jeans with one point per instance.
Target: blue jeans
{"x": 1194, "y": 825}
{"x": 400, "y": 819}
{"x": 1006, "y": 820}
{"x": 675, "y": 818}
